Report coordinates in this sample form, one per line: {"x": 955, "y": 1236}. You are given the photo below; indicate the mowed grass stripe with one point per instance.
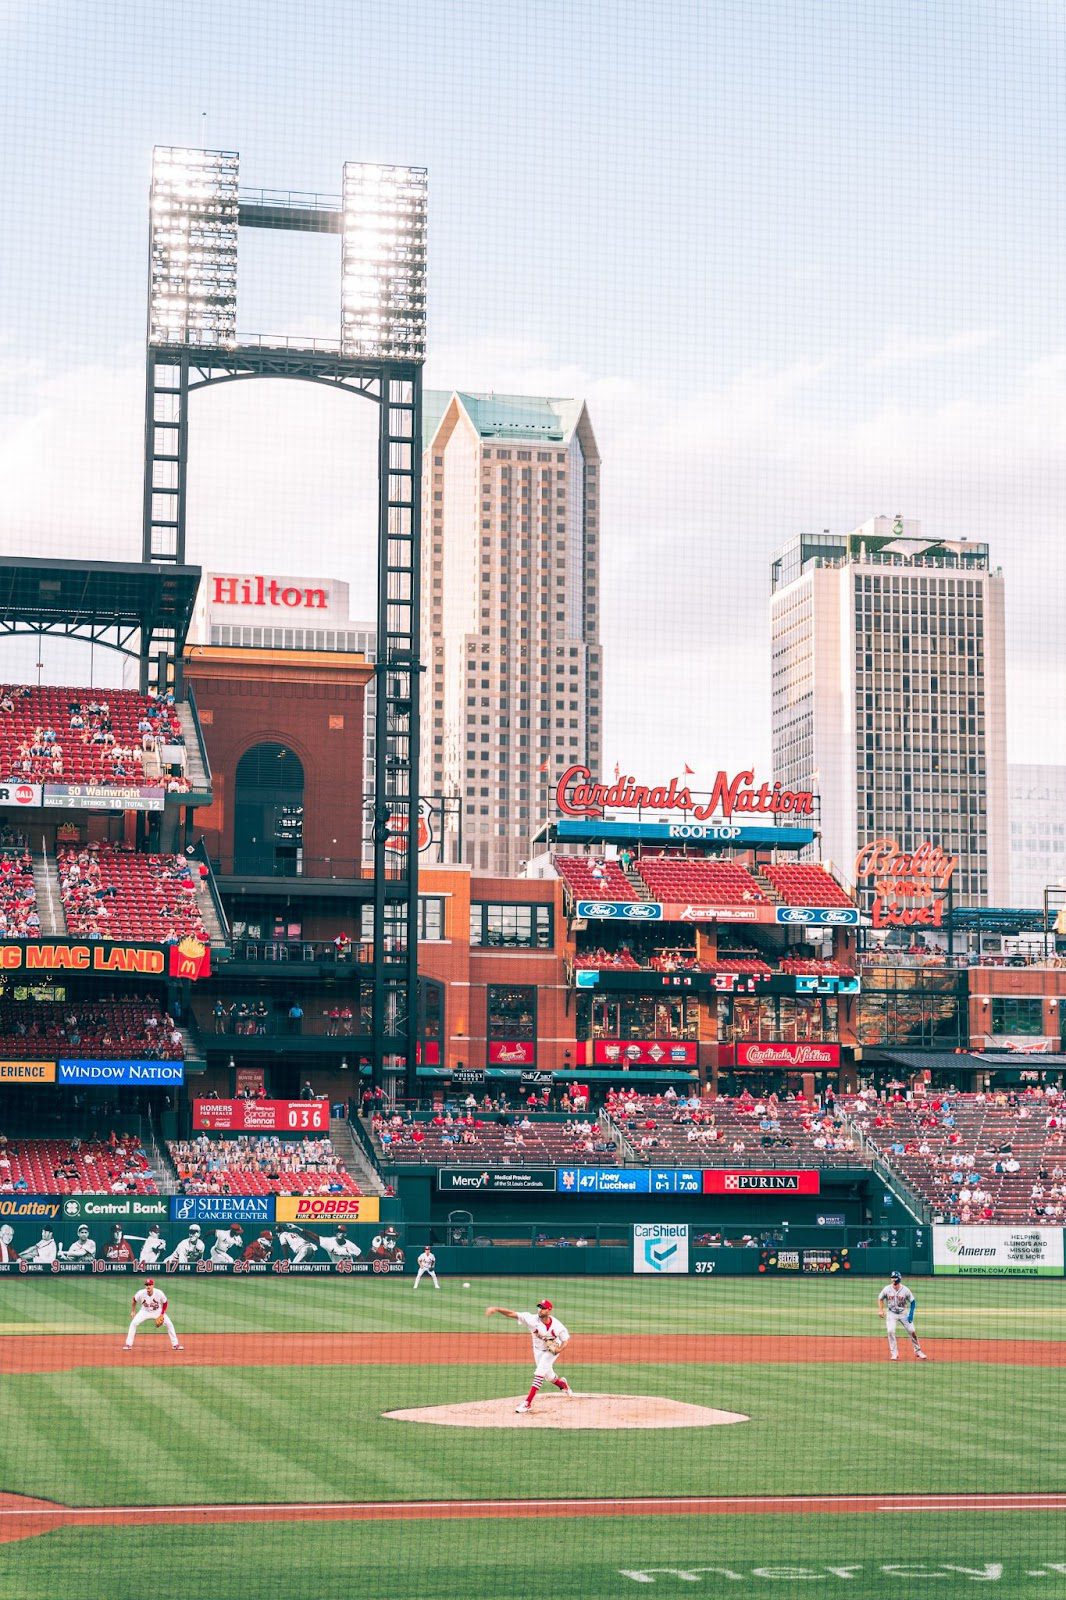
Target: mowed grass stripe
{"x": 165, "y": 1436}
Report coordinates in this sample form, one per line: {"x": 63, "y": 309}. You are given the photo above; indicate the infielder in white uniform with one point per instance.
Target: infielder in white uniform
{"x": 549, "y": 1340}
{"x": 896, "y": 1304}
{"x": 187, "y": 1250}
{"x": 427, "y": 1262}
{"x": 82, "y": 1249}
{"x": 150, "y": 1305}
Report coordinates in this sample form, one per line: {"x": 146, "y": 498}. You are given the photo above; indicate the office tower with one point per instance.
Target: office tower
{"x": 510, "y": 597}
{"x": 889, "y": 695}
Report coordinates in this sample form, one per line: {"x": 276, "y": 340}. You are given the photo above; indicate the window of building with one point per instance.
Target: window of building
{"x": 1017, "y": 1014}
{"x": 512, "y": 1011}
{"x": 519, "y": 927}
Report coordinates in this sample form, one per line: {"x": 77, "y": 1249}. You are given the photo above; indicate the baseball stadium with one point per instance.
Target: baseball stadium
{"x": 678, "y": 1209}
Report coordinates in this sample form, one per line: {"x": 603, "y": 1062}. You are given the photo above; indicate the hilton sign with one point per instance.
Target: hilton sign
{"x": 257, "y": 590}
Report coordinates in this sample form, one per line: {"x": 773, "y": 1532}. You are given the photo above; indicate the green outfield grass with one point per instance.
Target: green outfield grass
{"x": 130, "y": 1433}
{"x": 583, "y": 1560}
{"x": 949, "y": 1308}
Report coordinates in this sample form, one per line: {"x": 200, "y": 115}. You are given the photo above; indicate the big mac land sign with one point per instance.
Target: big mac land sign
{"x": 577, "y": 795}
{"x": 910, "y": 888}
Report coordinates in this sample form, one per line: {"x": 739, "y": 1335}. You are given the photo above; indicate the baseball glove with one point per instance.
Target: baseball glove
{"x": 159, "y": 1322}
{"x": 552, "y": 1346}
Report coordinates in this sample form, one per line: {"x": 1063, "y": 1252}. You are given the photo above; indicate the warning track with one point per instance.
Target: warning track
{"x": 24, "y": 1518}
{"x": 61, "y": 1352}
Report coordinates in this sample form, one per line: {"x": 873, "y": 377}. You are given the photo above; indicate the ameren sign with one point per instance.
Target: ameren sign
{"x": 576, "y": 795}
{"x": 921, "y": 876}
{"x": 1020, "y": 1252}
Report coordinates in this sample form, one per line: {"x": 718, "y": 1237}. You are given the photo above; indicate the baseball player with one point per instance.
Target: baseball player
{"x": 895, "y": 1304}
{"x": 427, "y": 1262}
{"x": 118, "y": 1247}
{"x": 300, "y": 1243}
{"x": 44, "y": 1250}
{"x": 226, "y": 1241}
{"x": 7, "y": 1237}
{"x": 152, "y": 1247}
{"x": 189, "y": 1250}
{"x": 150, "y": 1305}
{"x": 82, "y": 1249}
{"x": 260, "y": 1249}
{"x": 338, "y": 1245}
{"x": 549, "y": 1339}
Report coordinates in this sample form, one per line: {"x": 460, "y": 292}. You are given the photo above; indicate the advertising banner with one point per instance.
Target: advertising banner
{"x": 1020, "y": 1252}
{"x": 808, "y": 1260}
{"x": 23, "y": 795}
{"x": 102, "y": 797}
{"x": 27, "y": 1072}
{"x": 470, "y": 1180}
{"x": 138, "y": 1074}
{"x": 785, "y": 983}
{"x": 536, "y": 1080}
{"x": 644, "y": 1053}
{"x": 327, "y": 1208}
{"x": 243, "y": 1208}
{"x": 262, "y": 1116}
{"x": 113, "y": 957}
{"x": 660, "y": 1247}
{"x": 720, "y": 1180}
{"x": 630, "y": 1180}
{"x": 619, "y": 910}
{"x": 62, "y": 1244}
{"x": 818, "y": 916}
{"x": 576, "y": 831}
{"x": 779, "y": 1054}
{"x": 125, "y": 1207}
{"x": 512, "y": 1052}
{"x": 468, "y": 1078}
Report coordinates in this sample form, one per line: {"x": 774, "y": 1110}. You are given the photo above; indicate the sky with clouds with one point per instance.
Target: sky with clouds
{"x": 803, "y": 260}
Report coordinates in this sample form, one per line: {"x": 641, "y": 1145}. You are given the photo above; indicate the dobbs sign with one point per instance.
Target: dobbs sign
{"x": 328, "y": 1208}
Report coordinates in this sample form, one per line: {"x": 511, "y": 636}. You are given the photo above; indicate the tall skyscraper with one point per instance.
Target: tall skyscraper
{"x": 889, "y": 695}
{"x": 511, "y": 607}
{"x": 1037, "y": 799}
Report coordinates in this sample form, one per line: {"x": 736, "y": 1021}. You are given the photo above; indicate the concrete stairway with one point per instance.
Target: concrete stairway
{"x": 195, "y": 770}
{"x": 354, "y": 1157}
{"x": 49, "y": 898}
{"x": 206, "y": 907}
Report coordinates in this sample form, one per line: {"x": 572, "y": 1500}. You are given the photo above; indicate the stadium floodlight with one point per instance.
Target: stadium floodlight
{"x": 193, "y": 290}
{"x": 383, "y": 263}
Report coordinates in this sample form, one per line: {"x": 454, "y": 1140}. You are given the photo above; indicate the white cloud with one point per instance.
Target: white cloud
{"x": 902, "y": 349}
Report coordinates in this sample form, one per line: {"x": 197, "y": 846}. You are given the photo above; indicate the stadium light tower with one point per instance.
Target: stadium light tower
{"x": 197, "y": 210}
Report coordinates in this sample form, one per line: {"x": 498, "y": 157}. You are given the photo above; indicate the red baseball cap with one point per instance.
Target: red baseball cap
{"x": 544, "y": 1305}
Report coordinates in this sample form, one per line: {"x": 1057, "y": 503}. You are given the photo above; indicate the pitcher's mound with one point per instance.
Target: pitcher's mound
{"x": 584, "y": 1411}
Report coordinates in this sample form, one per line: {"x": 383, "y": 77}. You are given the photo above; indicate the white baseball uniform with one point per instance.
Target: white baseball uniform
{"x": 300, "y": 1246}
{"x": 80, "y": 1250}
{"x": 898, "y": 1301}
{"x": 152, "y": 1249}
{"x": 148, "y": 1304}
{"x": 44, "y": 1250}
{"x": 187, "y": 1251}
{"x": 544, "y": 1359}
{"x": 338, "y": 1246}
{"x": 226, "y": 1241}
{"x": 427, "y": 1262}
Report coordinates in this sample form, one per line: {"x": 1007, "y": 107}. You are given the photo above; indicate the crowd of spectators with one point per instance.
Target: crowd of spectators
{"x": 52, "y": 735}
{"x": 116, "y": 1165}
{"x": 259, "y": 1163}
{"x": 110, "y": 892}
{"x": 123, "y": 1028}
{"x": 19, "y": 918}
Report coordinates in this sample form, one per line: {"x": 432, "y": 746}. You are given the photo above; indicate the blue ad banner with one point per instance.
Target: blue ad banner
{"x": 818, "y": 916}
{"x": 619, "y": 910}
{"x": 220, "y": 1208}
{"x": 614, "y": 1180}
{"x": 119, "y": 1074}
{"x": 593, "y": 831}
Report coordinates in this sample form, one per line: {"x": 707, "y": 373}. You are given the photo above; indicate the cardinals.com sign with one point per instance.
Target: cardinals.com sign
{"x": 660, "y": 1247}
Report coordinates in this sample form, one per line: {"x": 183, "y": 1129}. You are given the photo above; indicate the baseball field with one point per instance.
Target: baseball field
{"x": 260, "y": 1459}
